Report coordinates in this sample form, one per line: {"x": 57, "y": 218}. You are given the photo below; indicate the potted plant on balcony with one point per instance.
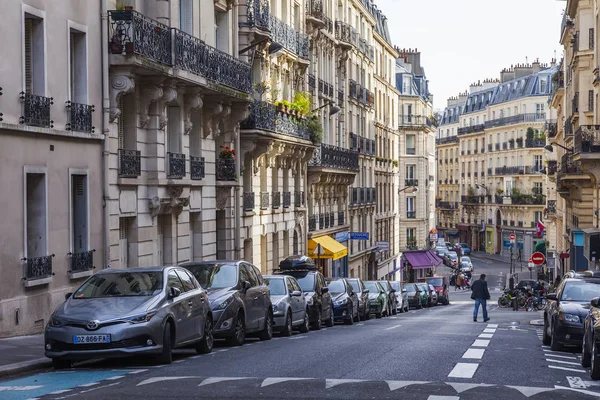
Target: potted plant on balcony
{"x": 227, "y": 153}
{"x": 316, "y": 130}
{"x": 395, "y": 162}
{"x": 279, "y": 105}
{"x": 511, "y": 141}
{"x": 303, "y": 102}
{"x": 520, "y": 141}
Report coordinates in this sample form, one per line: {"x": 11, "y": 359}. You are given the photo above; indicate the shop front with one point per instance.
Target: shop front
{"x": 325, "y": 248}
{"x": 419, "y": 264}
{"x": 340, "y": 266}
{"x": 489, "y": 239}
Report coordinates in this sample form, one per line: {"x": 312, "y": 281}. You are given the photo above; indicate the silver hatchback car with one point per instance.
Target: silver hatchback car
{"x": 126, "y": 312}
{"x": 289, "y": 304}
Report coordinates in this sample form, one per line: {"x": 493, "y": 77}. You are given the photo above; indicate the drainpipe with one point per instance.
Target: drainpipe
{"x": 236, "y": 199}
{"x": 106, "y": 133}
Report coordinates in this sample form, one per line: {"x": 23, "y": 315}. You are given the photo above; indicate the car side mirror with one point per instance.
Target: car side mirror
{"x": 296, "y": 293}
{"x": 403, "y": 290}
{"x": 174, "y": 292}
{"x": 245, "y": 285}
{"x": 551, "y": 296}
{"x": 366, "y": 291}
{"x": 325, "y": 290}
{"x": 68, "y": 295}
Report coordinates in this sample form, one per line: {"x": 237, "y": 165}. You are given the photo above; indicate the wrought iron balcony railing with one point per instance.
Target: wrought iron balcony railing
{"x": 296, "y": 42}
{"x": 36, "y": 110}
{"x": 264, "y": 116}
{"x": 312, "y": 223}
{"x": 330, "y": 156}
{"x": 340, "y": 218}
{"x": 82, "y": 261}
{"x": 411, "y": 182}
{"x": 535, "y": 143}
{"x": 551, "y": 207}
{"x": 176, "y": 165}
{"x": 411, "y": 214}
{"x": 568, "y": 166}
{"x": 38, "y": 267}
{"x": 449, "y": 139}
{"x": 80, "y": 117}
{"x": 587, "y": 139}
{"x": 258, "y": 13}
{"x": 471, "y": 129}
{"x": 287, "y": 199}
{"x": 197, "y": 168}
{"x": 248, "y": 201}
{"x": 298, "y": 199}
{"x": 276, "y": 200}
{"x": 515, "y": 119}
{"x": 129, "y": 163}
{"x": 551, "y": 128}
{"x": 264, "y": 200}
{"x": 226, "y": 169}
{"x": 353, "y": 89}
{"x": 345, "y": 32}
{"x": 414, "y": 120}
{"x": 340, "y": 96}
{"x": 312, "y": 82}
{"x": 528, "y": 199}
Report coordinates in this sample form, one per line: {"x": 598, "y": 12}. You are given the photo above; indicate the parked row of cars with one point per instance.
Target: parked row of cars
{"x": 151, "y": 311}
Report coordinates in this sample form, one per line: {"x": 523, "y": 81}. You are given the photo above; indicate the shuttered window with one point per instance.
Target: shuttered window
{"x": 186, "y": 13}
{"x": 28, "y": 55}
{"x": 79, "y": 212}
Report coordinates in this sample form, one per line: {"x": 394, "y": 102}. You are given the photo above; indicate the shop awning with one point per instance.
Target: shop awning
{"x": 422, "y": 259}
{"x": 452, "y": 233}
{"x": 333, "y": 249}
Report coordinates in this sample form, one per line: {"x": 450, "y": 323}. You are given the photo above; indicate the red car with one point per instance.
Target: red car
{"x": 440, "y": 283}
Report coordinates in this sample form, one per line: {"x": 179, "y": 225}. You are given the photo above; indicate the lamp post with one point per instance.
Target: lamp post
{"x": 332, "y": 111}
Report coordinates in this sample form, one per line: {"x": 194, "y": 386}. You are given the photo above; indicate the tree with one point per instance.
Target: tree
{"x": 437, "y": 118}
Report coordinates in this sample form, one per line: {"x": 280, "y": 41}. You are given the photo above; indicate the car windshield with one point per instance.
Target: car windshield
{"x": 465, "y": 259}
{"x": 355, "y": 285}
{"x": 336, "y": 287}
{"x": 580, "y": 291}
{"x": 215, "y": 276}
{"x": 372, "y": 286}
{"x": 396, "y": 286}
{"x": 121, "y": 284}
{"x": 422, "y": 286}
{"x": 436, "y": 281}
{"x": 276, "y": 286}
{"x": 410, "y": 288}
{"x": 306, "y": 281}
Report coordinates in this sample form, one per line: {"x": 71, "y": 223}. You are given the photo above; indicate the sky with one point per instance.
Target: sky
{"x": 463, "y": 41}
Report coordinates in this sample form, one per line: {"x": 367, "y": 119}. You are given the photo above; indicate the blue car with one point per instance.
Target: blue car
{"x": 465, "y": 250}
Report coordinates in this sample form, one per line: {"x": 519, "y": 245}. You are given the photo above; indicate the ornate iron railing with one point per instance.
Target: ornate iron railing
{"x": 330, "y": 156}
{"x": 551, "y": 207}
{"x": 133, "y": 33}
{"x": 264, "y": 200}
{"x": 129, "y": 163}
{"x": 314, "y": 8}
{"x": 535, "y": 143}
{"x": 193, "y": 55}
{"x": 515, "y": 119}
{"x": 226, "y": 169}
{"x": 312, "y": 81}
{"x": 265, "y": 116}
{"x": 411, "y": 214}
{"x": 551, "y": 128}
{"x": 344, "y": 32}
{"x": 587, "y": 139}
{"x": 248, "y": 201}
{"x": 80, "y": 117}
{"x": 568, "y": 166}
{"x": 276, "y": 201}
{"x": 176, "y": 165}
{"x": 297, "y": 199}
{"x": 82, "y": 261}
{"x": 312, "y": 223}
{"x": 353, "y": 89}
{"x": 411, "y": 182}
{"x": 197, "y": 168}
{"x": 285, "y": 35}
{"x": 258, "y": 13}
{"x": 450, "y": 139}
{"x": 287, "y": 199}
{"x": 340, "y": 97}
{"x": 38, "y": 267}
{"x": 36, "y": 110}
{"x": 471, "y": 129}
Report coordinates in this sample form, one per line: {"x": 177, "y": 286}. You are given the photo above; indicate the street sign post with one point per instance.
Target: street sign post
{"x": 512, "y": 237}
{"x": 538, "y": 258}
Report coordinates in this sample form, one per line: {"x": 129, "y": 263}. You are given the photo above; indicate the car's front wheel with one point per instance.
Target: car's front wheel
{"x": 585, "y": 355}
{"x": 554, "y": 344}
{"x": 166, "y": 357}
{"x": 595, "y": 361}
{"x": 329, "y": 323}
{"x": 287, "y": 329}
{"x": 206, "y": 344}
{"x": 239, "y": 331}
{"x": 317, "y": 324}
{"x": 545, "y": 337}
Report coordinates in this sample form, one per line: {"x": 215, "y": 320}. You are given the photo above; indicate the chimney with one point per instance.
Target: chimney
{"x": 507, "y": 74}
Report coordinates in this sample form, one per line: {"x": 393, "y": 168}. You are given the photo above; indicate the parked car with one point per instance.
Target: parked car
{"x": 441, "y": 252}
{"x": 440, "y": 283}
{"x": 401, "y": 296}
{"x": 128, "y": 312}
{"x": 432, "y": 295}
{"x": 345, "y": 301}
{"x": 451, "y": 259}
{"x": 566, "y": 311}
{"x": 425, "y": 295}
{"x": 239, "y": 297}
{"x": 363, "y": 297}
{"x": 467, "y": 259}
{"x": 464, "y": 248}
{"x": 289, "y": 305}
{"x": 391, "y": 297}
{"x": 377, "y": 299}
{"x": 413, "y": 292}
{"x": 313, "y": 285}
{"x": 591, "y": 339}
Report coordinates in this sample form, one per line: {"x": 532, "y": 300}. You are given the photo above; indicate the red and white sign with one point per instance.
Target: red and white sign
{"x": 538, "y": 258}
{"x": 512, "y": 237}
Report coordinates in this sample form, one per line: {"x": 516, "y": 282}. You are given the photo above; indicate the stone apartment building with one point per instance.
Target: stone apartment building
{"x": 51, "y": 151}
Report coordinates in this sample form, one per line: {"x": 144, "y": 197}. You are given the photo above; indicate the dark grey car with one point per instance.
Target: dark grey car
{"x": 289, "y": 304}
{"x": 363, "y": 297}
{"x": 126, "y": 312}
{"x": 239, "y": 298}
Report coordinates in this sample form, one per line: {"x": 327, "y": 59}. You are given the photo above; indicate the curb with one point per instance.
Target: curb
{"x": 25, "y": 366}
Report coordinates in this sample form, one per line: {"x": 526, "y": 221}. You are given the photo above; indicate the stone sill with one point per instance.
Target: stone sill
{"x": 51, "y": 131}
{"x": 37, "y": 282}
{"x": 81, "y": 274}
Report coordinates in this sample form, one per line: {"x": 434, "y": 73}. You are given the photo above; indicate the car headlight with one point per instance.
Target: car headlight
{"x": 341, "y": 302}
{"x": 222, "y": 303}
{"x": 275, "y": 308}
{"x": 56, "y": 321}
{"x": 138, "y": 319}
{"x": 568, "y": 317}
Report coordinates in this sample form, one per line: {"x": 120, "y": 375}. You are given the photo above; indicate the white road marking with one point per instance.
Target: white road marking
{"x": 463, "y": 370}
{"x": 60, "y": 391}
{"x": 529, "y": 391}
{"x": 595, "y": 394}
{"x": 480, "y": 343}
{"x": 556, "y": 355}
{"x": 392, "y": 327}
{"x": 298, "y": 337}
{"x": 494, "y": 326}
{"x": 486, "y": 336}
{"x": 567, "y": 369}
{"x": 18, "y": 388}
{"x": 394, "y": 385}
{"x": 361, "y": 324}
{"x": 563, "y": 362}
{"x": 139, "y": 371}
{"x": 162, "y": 379}
{"x": 114, "y": 378}
{"x": 210, "y": 381}
{"x": 461, "y": 387}
{"x": 329, "y": 383}
{"x": 576, "y": 382}
{"x": 272, "y": 381}
{"x": 474, "y": 353}
{"x": 435, "y": 397}
{"x": 489, "y": 330}
{"x": 89, "y": 384}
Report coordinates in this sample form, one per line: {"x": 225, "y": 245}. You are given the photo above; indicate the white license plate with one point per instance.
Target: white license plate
{"x": 86, "y": 339}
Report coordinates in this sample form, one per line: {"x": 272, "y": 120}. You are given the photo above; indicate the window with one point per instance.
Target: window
{"x": 543, "y": 85}
{"x": 538, "y": 188}
{"x": 77, "y": 66}
{"x": 36, "y": 213}
{"x": 79, "y": 213}
{"x": 410, "y": 236}
{"x": 173, "y": 281}
{"x": 590, "y": 100}
{"x": 539, "y": 111}
{"x": 186, "y": 14}
{"x": 537, "y": 216}
{"x": 174, "y": 129}
{"x": 410, "y": 207}
{"x": 188, "y": 283}
{"x": 124, "y": 242}
{"x": 410, "y": 171}
{"x": 34, "y": 66}
{"x": 222, "y": 31}
{"x": 410, "y": 144}
{"x": 537, "y": 163}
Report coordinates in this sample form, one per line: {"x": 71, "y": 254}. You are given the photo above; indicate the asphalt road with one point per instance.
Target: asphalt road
{"x": 431, "y": 354}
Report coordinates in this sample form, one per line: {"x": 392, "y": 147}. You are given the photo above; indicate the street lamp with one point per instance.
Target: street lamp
{"x": 409, "y": 189}
{"x": 551, "y": 149}
{"x": 273, "y": 47}
{"x": 332, "y": 111}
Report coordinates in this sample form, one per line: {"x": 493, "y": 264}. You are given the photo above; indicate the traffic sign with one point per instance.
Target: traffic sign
{"x": 512, "y": 237}
{"x": 538, "y": 258}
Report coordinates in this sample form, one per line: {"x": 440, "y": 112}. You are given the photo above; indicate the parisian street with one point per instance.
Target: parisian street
{"x": 434, "y": 353}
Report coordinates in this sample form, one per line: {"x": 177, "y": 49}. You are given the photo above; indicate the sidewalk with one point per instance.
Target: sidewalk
{"x": 492, "y": 257}
{"x": 22, "y": 353}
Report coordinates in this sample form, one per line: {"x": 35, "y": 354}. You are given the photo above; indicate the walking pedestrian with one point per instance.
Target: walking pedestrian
{"x": 459, "y": 281}
{"x": 481, "y": 294}
{"x": 519, "y": 254}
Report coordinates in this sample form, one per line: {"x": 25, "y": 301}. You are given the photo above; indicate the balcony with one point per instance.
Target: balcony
{"x": 175, "y": 166}
{"x": 445, "y": 140}
{"x": 37, "y": 268}
{"x": 473, "y": 199}
{"x": 341, "y": 218}
{"x": 533, "y": 143}
{"x": 264, "y": 200}
{"x": 414, "y": 121}
{"x": 258, "y": 13}
{"x": 551, "y": 128}
{"x": 197, "y": 169}
{"x": 340, "y": 96}
{"x": 287, "y": 199}
{"x": 411, "y": 182}
{"x": 36, "y": 110}
{"x": 518, "y": 170}
{"x": 264, "y": 116}
{"x": 411, "y": 214}
{"x": 295, "y": 42}
{"x": 528, "y": 199}
{"x": 226, "y": 169}
{"x": 345, "y": 34}
{"x": 353, "y": 89}
{"x": 129, "y": 163}
{"x": 329, "y": 156}
{"x": 82, "y": 261}
{"x": 447, "y": 205}
{"x": 587, "y": 140}
{"x": 248, "y": 201}
{"x": 314, "y": 9}
{"x": 471, "y": 129}
{"x": 276, "y": 200}
{"x": 80, "y": 117}
{"x": 551, "y": 208}
{"x": 515, "y": 119}
{"x": 132, "y": 33}
{"x": 312, "y": 223}
{"x": 552, "y": 167}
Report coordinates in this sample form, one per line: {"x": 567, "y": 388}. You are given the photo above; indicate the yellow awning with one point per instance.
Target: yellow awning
{"x": 333, "y": 249}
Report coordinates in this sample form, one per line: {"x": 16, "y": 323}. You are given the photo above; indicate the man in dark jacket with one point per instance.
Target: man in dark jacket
{"x": 481, "y": 295}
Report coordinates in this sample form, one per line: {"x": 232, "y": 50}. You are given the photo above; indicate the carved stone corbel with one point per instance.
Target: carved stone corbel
{"x": 247, "y": 147}
{"x": 191, "y": 102}
{"x": 154, "y": 206}
{"x": 120, "y": 84}
{"x": 276, "y": 151}
{"x": 149, "y": 94}
{"x": 259, "y": 154}
{"x": 211, "y": 119}
{"x": 169, "y": 95}
{"x": 223, "y": 195}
